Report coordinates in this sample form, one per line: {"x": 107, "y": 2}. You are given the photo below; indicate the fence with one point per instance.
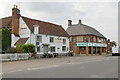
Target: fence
{"x": 14, "y": 57}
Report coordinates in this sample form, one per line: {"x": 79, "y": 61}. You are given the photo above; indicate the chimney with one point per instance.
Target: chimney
{"x": 69, "y": 22}
{"x": 79, "y": 21}
{"x": 108, "y": 40}
{"x": 15, "y": 20}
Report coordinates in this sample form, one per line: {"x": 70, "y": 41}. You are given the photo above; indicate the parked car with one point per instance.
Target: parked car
{"x": 115, "y": 54}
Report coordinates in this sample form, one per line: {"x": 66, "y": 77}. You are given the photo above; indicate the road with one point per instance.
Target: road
{"x": 106, "y": 67}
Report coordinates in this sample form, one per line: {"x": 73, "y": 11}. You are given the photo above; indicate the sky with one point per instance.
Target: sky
{"x": 103, "y": 16}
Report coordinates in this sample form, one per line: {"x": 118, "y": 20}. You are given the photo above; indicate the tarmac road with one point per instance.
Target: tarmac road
{"x": 102, "y": 68}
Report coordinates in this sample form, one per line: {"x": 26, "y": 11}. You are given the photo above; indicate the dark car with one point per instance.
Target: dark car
{"x": 115, "y": 54}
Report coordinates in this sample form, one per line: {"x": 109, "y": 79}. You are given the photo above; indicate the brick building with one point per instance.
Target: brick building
{"x": 86, "y": 40}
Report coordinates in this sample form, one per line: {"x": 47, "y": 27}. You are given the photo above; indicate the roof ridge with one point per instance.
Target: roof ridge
{"x": 39, "y": 20}
{"x": 6, "y": 17}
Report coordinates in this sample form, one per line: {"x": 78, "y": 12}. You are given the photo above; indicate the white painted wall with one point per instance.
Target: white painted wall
{"x": 24, "y": 31}
{"x": 46, "y": 40}
{"x": 13, "y": 40}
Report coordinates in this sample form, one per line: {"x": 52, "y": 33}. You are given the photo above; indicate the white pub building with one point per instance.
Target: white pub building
{"x": 47, "y": 37}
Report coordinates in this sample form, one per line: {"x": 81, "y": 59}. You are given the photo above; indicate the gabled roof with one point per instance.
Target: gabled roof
{"x": 81, "y": 29}
{"x": 21, "y": 41}
{"x": 45, "y": 27}
{"x": 4, "y": 22}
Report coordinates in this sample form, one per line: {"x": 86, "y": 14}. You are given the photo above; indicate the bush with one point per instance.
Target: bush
{"x": 19, "y": 48}
{"x": 25, "y": 48}
{"x": 29, "y": 48}
{"x": 11, "y": 50}
{"x": 108, "y": 53}
{"x": 22, "y": 48}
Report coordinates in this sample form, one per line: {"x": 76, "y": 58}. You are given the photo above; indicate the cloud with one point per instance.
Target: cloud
{"x": 100, "y": 15}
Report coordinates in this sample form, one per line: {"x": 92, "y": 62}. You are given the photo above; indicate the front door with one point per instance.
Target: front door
{"x": 45, "y": 49}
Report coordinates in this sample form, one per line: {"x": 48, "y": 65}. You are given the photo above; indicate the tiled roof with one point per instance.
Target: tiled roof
{"x": 81, "y": 29}
{"x": 21, "y": 41}
{"x": 45, "y": 27}
{"x": 5, "y": 22}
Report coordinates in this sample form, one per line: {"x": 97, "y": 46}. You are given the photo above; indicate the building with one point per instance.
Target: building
{"x": 47, "y": 37}
{"x": 86, "y": 40}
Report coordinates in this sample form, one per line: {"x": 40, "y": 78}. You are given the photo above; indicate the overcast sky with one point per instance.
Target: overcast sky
{"x": 103, "y": 16}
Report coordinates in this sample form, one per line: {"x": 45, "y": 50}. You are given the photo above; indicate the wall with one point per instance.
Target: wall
{"x": 24, "y": 31}
{"x": 46, "y": 40}
{"x": 13, "y": 39}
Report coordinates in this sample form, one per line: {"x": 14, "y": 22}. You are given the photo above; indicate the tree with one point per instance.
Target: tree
{"x": 5, "y": 37}
{"x": 114, "y": 43}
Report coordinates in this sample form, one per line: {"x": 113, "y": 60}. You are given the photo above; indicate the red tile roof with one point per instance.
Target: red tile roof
{"x": 44, "y": 27}
{"x": 5, "y": 22}
{"x": 21, "y": 41}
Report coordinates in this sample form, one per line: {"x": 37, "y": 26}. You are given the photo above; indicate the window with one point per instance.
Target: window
{"x": 39, "y": 38}
{"x": 64, "y": 41}
{"x": 63, "y": 48}
{"x": 104, "y": 41}
{"x": 70, "y": 39}
{"x": 52, "y": 49}
{"x": 38, "y": 48}
{"x": 85, "y": 39}
{"x": 80, "y": 38}
{"x": 74, "y": 39}
{"x": 94, "y": 39}
{"x": 97, "y": 39}
{"x": 71, "y": 48}
{"x": 82, "y": 48}
{"x": 89, "y": 39}
{"x": 51, "y": 39}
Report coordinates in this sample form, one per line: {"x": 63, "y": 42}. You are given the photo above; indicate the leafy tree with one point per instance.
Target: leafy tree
{"x": 5, "y": 38}
{"x": 114, "y": 43}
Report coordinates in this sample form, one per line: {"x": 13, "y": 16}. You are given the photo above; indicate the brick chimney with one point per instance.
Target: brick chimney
{"x": 15, "y": 20}
{"x": 79, "y": 21}
{"x": 69, "y": 23}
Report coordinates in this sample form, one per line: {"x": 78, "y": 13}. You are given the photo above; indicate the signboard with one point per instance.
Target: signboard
{"x": 92, "y": 44}
{"x": 82, "y": 44}
{"x": 58, "y": 40}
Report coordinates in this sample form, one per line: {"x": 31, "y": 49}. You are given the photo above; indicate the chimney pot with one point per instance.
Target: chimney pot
{"x": 79, "y": 22}
{"x": 69, "y": 22}
{"x": 16, "y": 7}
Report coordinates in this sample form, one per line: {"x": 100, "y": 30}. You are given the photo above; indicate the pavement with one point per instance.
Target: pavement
{"x": 63, "y": 67}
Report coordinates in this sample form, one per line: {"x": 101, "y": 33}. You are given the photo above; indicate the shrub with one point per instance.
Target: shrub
{"x": 108, "y": 53}
{"x": 5, "y": 38}
{"x": 25, "y": 48}
{"x": 11, "y": 50}
{"x": 29, "y": 48}
{"x": 19, "y": 48}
